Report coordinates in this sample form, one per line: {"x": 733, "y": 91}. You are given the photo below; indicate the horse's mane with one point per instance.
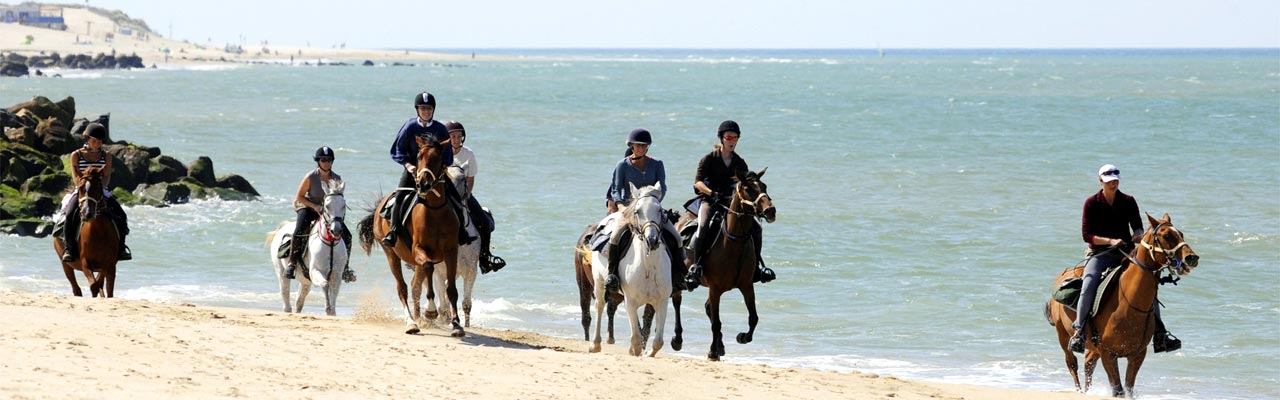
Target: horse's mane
{"x": 629, "y": 217}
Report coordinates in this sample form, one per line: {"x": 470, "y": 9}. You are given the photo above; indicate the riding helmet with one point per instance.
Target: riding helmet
{"x": 456, "y": 126}
{"x": 96, "y": 131}
{"x": 639, "y": 135}
{"x": 728, "y": 126}
{"x": 323, "y": 152}
{"x": 424, "y": 99}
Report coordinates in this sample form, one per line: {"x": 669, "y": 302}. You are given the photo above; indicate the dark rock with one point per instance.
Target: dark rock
{"x": 202, "y": 171}
{"x": 13, "y": 69}
{"x": 43, "y": 109}
{"x": 17, "y": 58}
{"x": 130, "y": 165}
{"x": 25, "y": 158}
{"x": 237, "y": 183}
{"x": 46, "y": 184}
{"x": 32, "y": 227}
{"x": 367, "y": 63}
{"x": 8, "y": 120}
{"x": 13, "y": 204}
{"x": 53, "y": 137}
{"x": 228, "y": 194}
{"x": 163, "y": 169}
{"x": 46, "y": 205}
{"x": 21, "y": 135}
{"x": 68, "y": 105}
{"x": 169, "y": 193}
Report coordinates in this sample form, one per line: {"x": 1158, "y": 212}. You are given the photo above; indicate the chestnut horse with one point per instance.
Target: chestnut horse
{"x": 99, "y": 240}
{"x": 433, "y": 229}
{"x": 468, "y": 259}
{"x": 730, "y": 261}
{"x": 1125, "y": 320}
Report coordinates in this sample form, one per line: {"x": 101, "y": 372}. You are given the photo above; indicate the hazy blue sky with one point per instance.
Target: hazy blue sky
{"x": 717, "y": 23}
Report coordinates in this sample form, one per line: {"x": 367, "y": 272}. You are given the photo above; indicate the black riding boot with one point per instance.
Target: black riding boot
{"x": 615, "y": 257}
{"x": 459, "y": 211}
{"x": 71, "y": 235}
{"x": 125, "y": 254}
{"x": 1163, "y": 341}
{"x": 677, "y": 261}
{"x": 396, "y": 210}
{"x": 295, "y": 255}
{"x": 122, "y": 224}
{"x": 348, "y": 275}
{"x": 763, "y": 273}
{"x": 1076, "y": 344}
{"x": 488, "y": 261}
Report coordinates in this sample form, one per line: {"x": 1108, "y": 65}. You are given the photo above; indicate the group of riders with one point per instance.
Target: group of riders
{"x": 1110, "y": 223}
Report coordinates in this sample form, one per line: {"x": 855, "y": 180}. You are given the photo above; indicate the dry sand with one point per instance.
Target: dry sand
{"x": 86, "y": 34}
{"x": 56, "y": 346}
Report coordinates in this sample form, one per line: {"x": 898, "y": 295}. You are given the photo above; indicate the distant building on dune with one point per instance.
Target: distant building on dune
{"x": 32, "y": 14}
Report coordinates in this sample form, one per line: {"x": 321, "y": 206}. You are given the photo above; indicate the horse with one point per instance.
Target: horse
{"x": 1125, "y": 321}
{"x": 99, "y": 240}
{"x": 730, "y": 262}
{"x": 326, "y": 252}
{"x": 433, "y": 232}
{"x": 468, "y": 259}
{"x": 644, "y": 271}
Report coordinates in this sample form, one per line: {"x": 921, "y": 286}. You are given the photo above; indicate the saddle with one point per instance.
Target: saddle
{"x": 1068, "y": 293}
{"x": 285, "y": 245}
{"x": 400, "y": 202}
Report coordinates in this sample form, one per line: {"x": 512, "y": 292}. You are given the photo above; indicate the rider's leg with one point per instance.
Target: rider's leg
{"x": 71, "y": 233}
{"x": 671, "y": 239}
{"x": 300, "y": 235}
{"x": 694, "y": 278}
{"x": 488, "y": 261}
{"x": 347, "y": 274}
{"x": 763, "y": 274}
{"x": 397, "y": 212}
{"x": 1164, "y": 341}
{"x": 1092, "y": 276}
{"x": 455, "y": 199}
{"x": 615, "y": 256}
{"x": 122, "y": 223}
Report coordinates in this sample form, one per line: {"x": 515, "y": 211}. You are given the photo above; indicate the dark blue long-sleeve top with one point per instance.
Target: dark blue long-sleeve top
{"x": 405, "y": 149}
{"x": 625, "y": 174}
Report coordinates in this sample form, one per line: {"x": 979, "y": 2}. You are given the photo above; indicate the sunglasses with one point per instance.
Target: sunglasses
{"x": 329, "y": 160}
{"x": 731, "y": 138}
{"x": 1114, "y": 172}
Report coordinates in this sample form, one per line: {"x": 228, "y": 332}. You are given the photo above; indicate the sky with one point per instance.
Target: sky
{"x": 463, "y": 24}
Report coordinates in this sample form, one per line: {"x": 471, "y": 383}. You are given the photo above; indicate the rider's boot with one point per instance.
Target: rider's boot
{"x": 348, "y": 275}
{"x": 295, "y": 255}
{"x": 1076, "y": 344}
{"x": 71, "y": 238}
{"x": 694, "y": 278}
{"x": 488, "y": 261}
{"x": 396, "y": 210}
{"x": 1163, "y": 341}
{"x": 125, "y": 253}
{"x": 464, "y": 237}
{"x": 677, "y": 262}
{"x": 615, "y": 257}
{"x": 763, "y": 274}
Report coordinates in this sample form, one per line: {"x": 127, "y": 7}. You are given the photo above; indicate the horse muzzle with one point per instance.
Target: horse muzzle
{"x": 652, "y": 237}
{"x": 770, "y": 214}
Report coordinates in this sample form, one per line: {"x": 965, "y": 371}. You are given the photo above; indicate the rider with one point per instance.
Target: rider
{"x": 91, "y": 155}
{"x": 639, "y": 170}
{"x": 404, "y": 151}
{"x": 309, "y": 204}
{"x": 1109, "y": 225}
{"x": 464, "y": 158}
{"x": 714, "y": 184}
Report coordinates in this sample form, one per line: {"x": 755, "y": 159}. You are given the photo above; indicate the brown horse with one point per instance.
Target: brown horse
{"x": 730, "y": 261}
{"x": 99, "y": 240}
{"x": 433, "y": 228}
{"x": 1125, "y": 320}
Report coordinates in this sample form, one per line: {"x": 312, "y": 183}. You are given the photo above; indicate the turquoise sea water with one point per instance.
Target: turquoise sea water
{"x": 926, "y": 199}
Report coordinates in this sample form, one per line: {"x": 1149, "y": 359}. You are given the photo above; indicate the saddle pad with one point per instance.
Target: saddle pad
{"x": 1107, "y": 277}
{"x": 604, "y": 229}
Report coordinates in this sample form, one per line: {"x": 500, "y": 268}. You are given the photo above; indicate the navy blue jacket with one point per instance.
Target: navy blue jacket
{"x": 405, "y": 149}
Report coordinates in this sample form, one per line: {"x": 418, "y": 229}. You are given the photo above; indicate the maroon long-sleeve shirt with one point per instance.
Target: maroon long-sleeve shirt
{"x": 1110, "y": 220}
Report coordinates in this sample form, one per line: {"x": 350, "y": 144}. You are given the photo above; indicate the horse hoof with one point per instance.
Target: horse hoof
{"x": 413, "y": 329}
{"x": 610, "y": 341}
{"x": 711, "y": 355}
{"x": 458, "y": 332}
{"x": 677, "y": 343}
{"x": 431, "y": 315}
{"x": 743, "y": 338}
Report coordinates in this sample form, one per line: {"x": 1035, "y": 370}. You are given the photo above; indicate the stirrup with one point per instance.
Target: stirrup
{"x": 389, "y": 240}
{"x": 1165, "y": 342}
{"x": 491, "y": 263}
{"x": 693, "y": 279}
{"x": 348, "y": 275}
{"x": 1076, "y": 344}
{"x": 764, "y": 274}
{"x": 125, "y": 254}
{"x": 611, "y": 283}
{"x": 68, "y": 256}
{"x": 289, "y": 272}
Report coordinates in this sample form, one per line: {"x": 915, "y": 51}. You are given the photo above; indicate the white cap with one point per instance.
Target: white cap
{"x": 1109, "y": 173}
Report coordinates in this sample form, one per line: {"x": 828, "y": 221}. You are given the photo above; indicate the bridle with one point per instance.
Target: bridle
{"x": 755, "y": 212}
{"x": 327, "y": 235}
{"x": 638, "y": 229}
{"x": 426, "y": 181}
{"x": 1172, "y": 263}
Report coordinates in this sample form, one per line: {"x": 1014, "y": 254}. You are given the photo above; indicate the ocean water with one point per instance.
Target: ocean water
{"x": 926, "y": 199}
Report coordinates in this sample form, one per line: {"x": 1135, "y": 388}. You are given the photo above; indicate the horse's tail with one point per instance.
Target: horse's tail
{"x": 365, "y": 227}
{"x": 1048, "y": 312}
{"x": 271, "y": 236}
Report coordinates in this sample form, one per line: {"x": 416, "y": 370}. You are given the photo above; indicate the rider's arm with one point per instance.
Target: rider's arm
{"x": 1084, "y": 229}
{"x": 300, "y": 199}
{"x": 662, "y": 176}
{"x": 618, "y": 187}
{"x": 699, "y": 178}
{"x": 106, "y": 169}
{"x": 401, "y": 148}
{"x": 75, "y": 172}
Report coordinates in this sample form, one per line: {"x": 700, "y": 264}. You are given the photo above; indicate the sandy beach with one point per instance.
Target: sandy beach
{"x": 63, "y": 347}
{"x": 86, "y": 34}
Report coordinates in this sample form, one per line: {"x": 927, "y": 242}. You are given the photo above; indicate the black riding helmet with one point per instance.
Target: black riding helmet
{"x": 639, "y": 135}
{"x": 728, "y": 126}
{"x": 323, "y": 152}
{"x": 456, "y": 126}
{"x": 96, "y": 131}
{"x": 424, "y": 99}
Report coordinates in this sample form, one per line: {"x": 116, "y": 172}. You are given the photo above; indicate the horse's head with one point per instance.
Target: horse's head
{"x": 459, "y": 179}
{"x": 1165, "y": 241}
{"x": 645, "y": 213}
{"x": 91, "y": 192}
{"x": 752, "y": 192}
{"x": 430, "y": 163}
{"x": 335, "y": 205}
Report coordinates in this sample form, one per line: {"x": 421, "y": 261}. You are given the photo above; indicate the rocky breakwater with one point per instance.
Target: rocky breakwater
{"x": 35, "y": 170}
{"x": 14, "y": 64}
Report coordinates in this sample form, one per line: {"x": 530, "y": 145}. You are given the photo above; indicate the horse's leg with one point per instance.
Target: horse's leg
{"x": 111, "y": 281}
{"x": 613, "y": 310}
{"x": 94, "y": 286}
{"x": 304, "y": 289}
{"x": 678, "y": 340}
{"x": 402, "y": 290}
{"x": 660, "y": 316}
{"x": 468, "y": 283}
{"x": 432, "y": 312}
{"x": 1090, "y": 362}
{"x": 584, "y": 301}
{"x": 1112, "y": 365}
{"x": 600, "y": 301}
{"x": 451, "y": 274}
{"x": 1064, "y": 336}
{"x": 647, "y": 326}
{"x": 1131, "y": 371}
{"x": 420, "y": 273}
{"x": 71, "y": 277}
{"x": 749, "y": 297}
{"x": 633, "y": 316}
{"x": 713, "y": 313}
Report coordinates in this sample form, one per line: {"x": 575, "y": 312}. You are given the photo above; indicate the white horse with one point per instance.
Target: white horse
{"x": 326, "y": 254}
{"x": 644, "y": 270}
{"x": 468, "y": 260}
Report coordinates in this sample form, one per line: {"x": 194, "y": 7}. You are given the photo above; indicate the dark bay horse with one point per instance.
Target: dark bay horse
{"x": 1125, "y": 320}
{"x": 433, "y": 228}
{"x": 730, "y": 261}
{"x": 99, "y": 240}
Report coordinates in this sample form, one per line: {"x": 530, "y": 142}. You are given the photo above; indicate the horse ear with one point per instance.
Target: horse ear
{"x": 339, "y": 186}
{"x": 1166, "y": 218}
{"x": 761, "y": 173}
{"x": 659, "y": 187}
{"x": 634, "y": 191}
{"x": 1152, "y": 221}
{"x": 421, "y": 143}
